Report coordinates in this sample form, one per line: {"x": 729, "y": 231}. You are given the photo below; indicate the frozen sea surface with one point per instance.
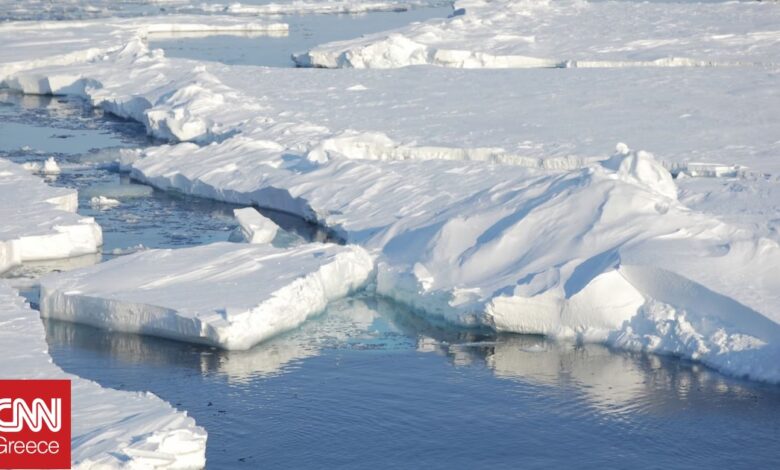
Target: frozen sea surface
{"x": 306, "y": 31}
{"x": 370, "y": 384}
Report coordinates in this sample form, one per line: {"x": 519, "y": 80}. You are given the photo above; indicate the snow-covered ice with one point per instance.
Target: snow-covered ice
{"x": 570, "y": 33}
{"x": 491, "y": 197}
{"x": 254, "y": 227}
{"x": 229, "y": 295}
{"x": 111, "y": 429}
{"x": 39, "y": 222}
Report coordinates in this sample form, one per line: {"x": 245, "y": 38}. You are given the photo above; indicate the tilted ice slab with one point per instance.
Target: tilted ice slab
{"x": 111, "y": 429}
{"x": 39, "y": 222}
{"x": 570, "y": 33}
{"x": 225, "y": 294}
{"x": 254, "y": 226}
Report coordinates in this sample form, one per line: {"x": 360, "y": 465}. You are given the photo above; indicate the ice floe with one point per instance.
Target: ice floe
{"x": 570, "y": 254}
{"x": 569, "y": 33}
{"x": 111, "y": 429}
{"x": 39, "y": 222}
{"x": 225, "y": 294}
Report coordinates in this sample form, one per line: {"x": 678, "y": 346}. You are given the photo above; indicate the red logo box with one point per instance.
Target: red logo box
{"x": 35, "y": 424}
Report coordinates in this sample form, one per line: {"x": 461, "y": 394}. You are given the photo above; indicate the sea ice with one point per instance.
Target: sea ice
{"x": 225, "y": 294}
{"x": 50, "y": 167}
{"x": 569, "y": 33}
{"x": 255, "y": 227}
{"x": 111, "y": 429}
{"x": 489, "y": 197}
{"x": 39, "y": 221}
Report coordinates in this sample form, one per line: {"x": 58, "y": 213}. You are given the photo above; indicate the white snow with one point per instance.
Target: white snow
{"x": 111, "y": 429}
{"x": 570, "y": 33}
{"x": 39, "y": 221}
{"x": 224, "y": 294}
{"x": 255, "y": 227}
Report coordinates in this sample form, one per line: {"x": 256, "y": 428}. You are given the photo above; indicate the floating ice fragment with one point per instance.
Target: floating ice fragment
{"x": 254, "y": 227}
{"x": 102, "y": 202}
{"x": 50, "y": 167}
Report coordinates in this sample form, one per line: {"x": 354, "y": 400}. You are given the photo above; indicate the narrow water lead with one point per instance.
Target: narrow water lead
{"x": 82, "y": 140}
{"x": 305, "y": 32}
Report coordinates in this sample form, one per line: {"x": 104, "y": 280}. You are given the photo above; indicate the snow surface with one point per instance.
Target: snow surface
{"x": 491, "y": 197}
{"x": 255, "y": 227}
{"x": 570, "y": 33}
{"x": 111, "y": 429}
{"x": 39, "y": 222}
{"x": 224, "y": 294}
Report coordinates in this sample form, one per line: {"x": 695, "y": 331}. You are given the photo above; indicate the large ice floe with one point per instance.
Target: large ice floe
{"x": 39, "y": 222}
{"x": 569, "y": 33}
{"x": 604, "y": 253}
{"x": 111, "y": 429}
{"x": 224, "y": 294}
{"x": 494, "y": 201}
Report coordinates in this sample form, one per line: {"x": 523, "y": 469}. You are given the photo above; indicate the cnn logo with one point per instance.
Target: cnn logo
{"x": 34, "y": 424}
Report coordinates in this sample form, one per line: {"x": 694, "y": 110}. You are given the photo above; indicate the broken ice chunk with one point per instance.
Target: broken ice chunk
{"x": 255, "y": 227}
{"x": 224, "y": 294}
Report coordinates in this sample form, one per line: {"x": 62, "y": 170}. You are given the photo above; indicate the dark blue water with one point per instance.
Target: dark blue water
{"x": 369, "y": 384}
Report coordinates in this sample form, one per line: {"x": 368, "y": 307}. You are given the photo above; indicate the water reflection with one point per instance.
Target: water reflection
{"x": 608, "y": 381}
